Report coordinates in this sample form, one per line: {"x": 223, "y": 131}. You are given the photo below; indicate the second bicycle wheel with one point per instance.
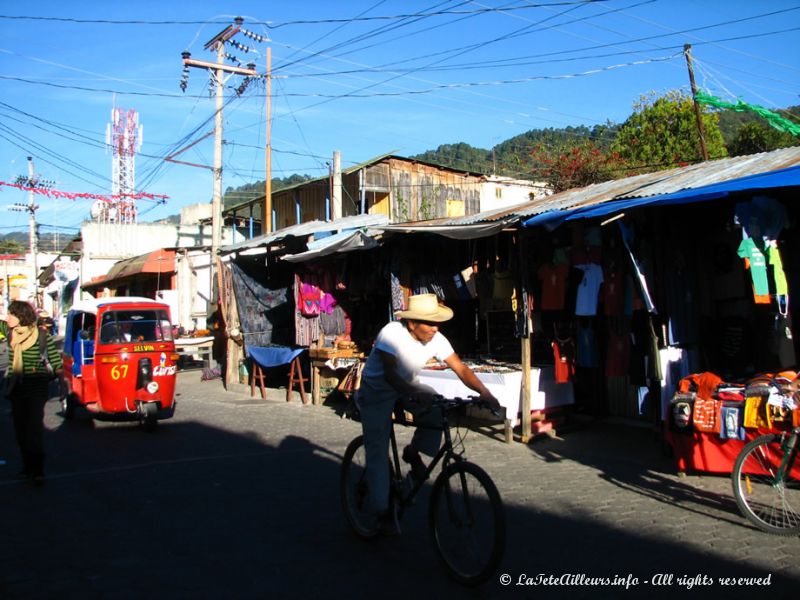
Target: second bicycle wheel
{"x": 770, "y": 501}
{"x": 467, "y": 522}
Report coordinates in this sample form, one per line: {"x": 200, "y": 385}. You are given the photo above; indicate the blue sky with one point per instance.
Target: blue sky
{"x": 363, "y": 77}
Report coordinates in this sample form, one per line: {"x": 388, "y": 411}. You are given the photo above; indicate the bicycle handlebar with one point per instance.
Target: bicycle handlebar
{"x": 448, "y": 403}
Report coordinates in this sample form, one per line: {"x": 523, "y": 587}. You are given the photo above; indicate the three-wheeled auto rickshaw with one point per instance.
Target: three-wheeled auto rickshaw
{"x": 119, "y": 360}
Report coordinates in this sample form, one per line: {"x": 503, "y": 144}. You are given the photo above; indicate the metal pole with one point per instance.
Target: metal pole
{"x": 216, "y": 202}
{"x": 268, "y": 182}
{"x": 687, "y": 52}
{"x": 32, "y": 232}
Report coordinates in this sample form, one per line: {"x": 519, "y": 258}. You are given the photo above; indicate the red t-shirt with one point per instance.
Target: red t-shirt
{"x": 554, "y": 285}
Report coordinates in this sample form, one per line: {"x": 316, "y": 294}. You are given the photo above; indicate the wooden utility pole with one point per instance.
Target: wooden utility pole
{"x": 218, "y": 70}
{"x": 268, "y": 182}
{"x": 687, "y": 52}
{"x": 216, "y": 201}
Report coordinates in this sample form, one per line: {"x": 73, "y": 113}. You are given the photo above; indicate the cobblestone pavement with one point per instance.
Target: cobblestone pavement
{"x": 237, "y": 497}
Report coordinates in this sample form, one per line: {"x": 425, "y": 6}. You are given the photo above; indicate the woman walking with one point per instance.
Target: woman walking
{"x": 34, "y": 363}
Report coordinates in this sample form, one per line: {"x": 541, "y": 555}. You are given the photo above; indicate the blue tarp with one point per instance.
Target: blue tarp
{"x": 760, "y": 181}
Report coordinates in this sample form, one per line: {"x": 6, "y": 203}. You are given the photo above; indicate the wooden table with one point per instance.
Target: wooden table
{"x": 199, "y": 346}
{"x": 319, "y": 360}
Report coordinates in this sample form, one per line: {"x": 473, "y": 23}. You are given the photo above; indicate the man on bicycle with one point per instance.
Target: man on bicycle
{"x": 401, "y": 350}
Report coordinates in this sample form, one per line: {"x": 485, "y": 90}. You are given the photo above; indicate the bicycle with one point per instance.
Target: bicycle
{"x": 465, "y": 514}
{"x": 766, "y": 482}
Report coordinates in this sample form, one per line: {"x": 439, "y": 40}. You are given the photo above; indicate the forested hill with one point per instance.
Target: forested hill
{"x": 576, "y": 156}
{"x": 513, "y": 157}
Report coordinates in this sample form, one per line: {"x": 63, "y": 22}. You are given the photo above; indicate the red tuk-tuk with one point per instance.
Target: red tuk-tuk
{"x": 119, "y": 360}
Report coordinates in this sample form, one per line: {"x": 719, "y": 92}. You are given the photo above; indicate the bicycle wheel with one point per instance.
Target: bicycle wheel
{"x": 467, "y": 522}
{"x": 769, "y": 501}
{"x": 354, "y": 490}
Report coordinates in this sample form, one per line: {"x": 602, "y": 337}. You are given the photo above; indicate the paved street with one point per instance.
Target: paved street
{"x": 238, "y": 498}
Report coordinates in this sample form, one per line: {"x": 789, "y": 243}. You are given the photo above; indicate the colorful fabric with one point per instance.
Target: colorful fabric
{"x": 731, "y": 422}
{"x": 706, "y": 415}
{"x": 774, "y": 119}
{"x": 703, "y": 384}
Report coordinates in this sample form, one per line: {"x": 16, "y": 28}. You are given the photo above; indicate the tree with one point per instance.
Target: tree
{"x": 11, "y": 246}
{"x": 580, "y": 165}
{"x": 755, "y": 137}
{"x": 662, "y": 133}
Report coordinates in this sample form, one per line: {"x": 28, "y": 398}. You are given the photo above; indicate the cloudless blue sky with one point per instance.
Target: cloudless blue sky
{"x": 365, "y": 77}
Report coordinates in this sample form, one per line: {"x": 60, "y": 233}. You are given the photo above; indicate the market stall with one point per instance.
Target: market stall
{"x": 708, "y": 421}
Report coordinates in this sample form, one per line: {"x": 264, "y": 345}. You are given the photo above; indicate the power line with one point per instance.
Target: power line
{"x": 273, "y": 25}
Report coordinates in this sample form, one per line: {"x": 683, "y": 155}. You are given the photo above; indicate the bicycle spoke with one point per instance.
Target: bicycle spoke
{"x": 467, "y": 522}
{"x": 766, "y": 487}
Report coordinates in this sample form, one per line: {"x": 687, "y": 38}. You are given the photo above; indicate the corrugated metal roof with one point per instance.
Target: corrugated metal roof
{"x": 309, "y": 228}
{"x": 666, "y": 182}
{"x": 641, "y": 186}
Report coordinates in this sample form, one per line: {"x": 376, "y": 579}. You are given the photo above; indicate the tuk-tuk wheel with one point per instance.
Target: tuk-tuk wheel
{"x": 68, "y": 402}
{"x": 148, "y": 416}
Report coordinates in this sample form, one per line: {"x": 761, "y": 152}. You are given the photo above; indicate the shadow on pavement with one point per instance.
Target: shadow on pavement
{"x": 217, "y": 511}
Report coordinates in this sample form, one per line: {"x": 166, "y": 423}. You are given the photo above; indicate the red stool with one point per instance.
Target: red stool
{"x": 296, "y": 377}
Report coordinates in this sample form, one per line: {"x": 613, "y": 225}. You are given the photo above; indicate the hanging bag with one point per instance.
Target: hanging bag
{"x": 46, "y": 366}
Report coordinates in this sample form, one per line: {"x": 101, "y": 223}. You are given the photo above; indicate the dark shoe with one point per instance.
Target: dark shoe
{"x": 387, "y": 524}
{"x": 37, "y": 480}
{"x": 418, "y": 469}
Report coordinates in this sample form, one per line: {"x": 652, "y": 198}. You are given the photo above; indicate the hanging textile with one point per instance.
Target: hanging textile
{"x": 265, "y": 314}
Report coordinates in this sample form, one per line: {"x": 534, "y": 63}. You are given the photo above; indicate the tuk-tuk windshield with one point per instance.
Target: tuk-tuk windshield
{"x": 143, "y": 325}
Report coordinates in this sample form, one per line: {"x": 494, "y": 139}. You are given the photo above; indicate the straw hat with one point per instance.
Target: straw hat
{"x": 425, "y": 307}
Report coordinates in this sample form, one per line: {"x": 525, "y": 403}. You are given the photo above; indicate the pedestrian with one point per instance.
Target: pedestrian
{"x": 35, "y": 361}
{"x": 401, "y": 349}
{"x": 3, "y": 365}
{"x": 3, "y": 354}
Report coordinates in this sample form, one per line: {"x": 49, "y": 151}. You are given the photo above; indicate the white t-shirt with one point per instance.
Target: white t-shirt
{"x": 589, "y": 289}
{"x": 411, "y": 355}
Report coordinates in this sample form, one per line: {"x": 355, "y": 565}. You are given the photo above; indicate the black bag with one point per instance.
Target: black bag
{"x": 48, "y": 368}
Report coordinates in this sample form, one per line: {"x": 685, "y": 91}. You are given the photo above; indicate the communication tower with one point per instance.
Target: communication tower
{"x": 124, "y": 137}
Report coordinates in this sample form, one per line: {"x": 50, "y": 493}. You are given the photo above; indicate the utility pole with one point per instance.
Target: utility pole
{"x": 268, "y": 180}
{"x": 217, "y": 70}
{"x": 687, "y": 52}
{"x": 32, "y": 182}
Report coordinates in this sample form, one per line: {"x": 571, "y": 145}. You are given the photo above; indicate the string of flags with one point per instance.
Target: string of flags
{"x": 51, "y": 193}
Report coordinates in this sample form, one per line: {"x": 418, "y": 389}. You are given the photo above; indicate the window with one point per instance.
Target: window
{"x": 120, "y": 326}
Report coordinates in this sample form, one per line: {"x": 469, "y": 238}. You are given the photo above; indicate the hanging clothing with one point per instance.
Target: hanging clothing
{"x": 588, "y": 290}
{"x": 758, "y": 266}
{"x": 554, "y": 285}
{"x": 564, "y": 356}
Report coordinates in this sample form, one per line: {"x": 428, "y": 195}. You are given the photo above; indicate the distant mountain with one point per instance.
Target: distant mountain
{"x": 18, "y": 242}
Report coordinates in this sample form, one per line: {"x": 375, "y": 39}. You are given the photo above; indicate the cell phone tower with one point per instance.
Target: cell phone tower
{"x": 124, "y": 137}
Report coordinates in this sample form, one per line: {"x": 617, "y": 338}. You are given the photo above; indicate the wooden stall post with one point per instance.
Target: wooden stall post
{"x": 525, "y": 341}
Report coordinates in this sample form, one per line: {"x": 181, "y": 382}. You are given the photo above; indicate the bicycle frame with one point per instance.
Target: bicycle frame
{"x": 789, "y": 445}
{"x": 445, "y": 453}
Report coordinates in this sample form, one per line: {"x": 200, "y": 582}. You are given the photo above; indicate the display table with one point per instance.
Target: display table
{"x": 196, "y": 346}
{"x": 339, "y": 362}
{"x": 506, "y": 386}
{"x": 262, "y": 357}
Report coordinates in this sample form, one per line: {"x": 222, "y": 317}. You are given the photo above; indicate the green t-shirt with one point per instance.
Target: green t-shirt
{"x": 781, "y": 287}
{"x": 758, "y": 266}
